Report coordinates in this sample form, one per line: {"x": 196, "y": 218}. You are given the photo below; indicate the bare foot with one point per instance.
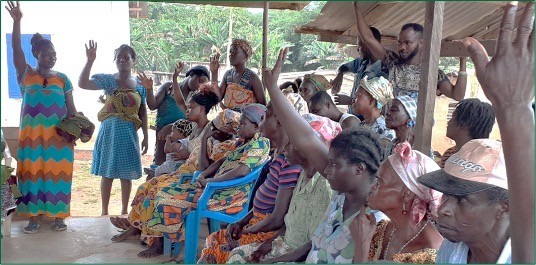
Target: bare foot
{"x": 153, "y": 251}
{"x": 130, "y": 233}
{"x": 104, "y": 213}
{"x": 120, "y": 222}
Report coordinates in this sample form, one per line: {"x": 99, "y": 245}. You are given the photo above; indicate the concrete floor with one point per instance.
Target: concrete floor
{"x": 86, "y": 240}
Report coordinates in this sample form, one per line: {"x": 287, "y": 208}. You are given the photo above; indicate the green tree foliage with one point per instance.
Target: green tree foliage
{"x": 176, "y": 32}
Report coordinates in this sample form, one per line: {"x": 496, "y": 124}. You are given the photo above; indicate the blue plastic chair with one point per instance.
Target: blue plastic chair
{"x": 193, "y": 219}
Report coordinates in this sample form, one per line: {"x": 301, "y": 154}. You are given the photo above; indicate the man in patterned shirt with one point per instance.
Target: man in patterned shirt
{"x": 405, "y": 66}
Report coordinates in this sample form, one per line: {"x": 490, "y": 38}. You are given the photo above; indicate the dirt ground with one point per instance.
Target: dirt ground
{"x": 86, "y": 198}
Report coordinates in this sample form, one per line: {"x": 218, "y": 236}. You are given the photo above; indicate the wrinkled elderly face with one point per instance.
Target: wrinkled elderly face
{"x": 246, "y": 128}
{"x": 467, "y": 218}
{"x": 397, "y": 115}
{"x": 387, "y": 193}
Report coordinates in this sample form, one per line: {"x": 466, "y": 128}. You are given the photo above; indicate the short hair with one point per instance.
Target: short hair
{"x": 414, "y": 26}
{"x": 376, "y": 33}
{"x": 207, "y": 99}
{"x": 477, "y": 116}
{"x": 38, "y": 43}
{"x": 497, "y": 195}
{"x": 360, "y": 145}
{"x": 321, "y": 97}
{"x": 128, "y": 48}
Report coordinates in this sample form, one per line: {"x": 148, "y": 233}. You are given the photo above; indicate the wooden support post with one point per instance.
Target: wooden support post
{"x": 433, "y": 27}
{"x": 264, "y": 35}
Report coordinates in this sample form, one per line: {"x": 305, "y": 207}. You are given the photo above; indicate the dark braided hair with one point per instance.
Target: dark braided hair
{"x": 295, "y": 85}
{"x": 207, "y": 99}
{"x": 128, "y": 48}
{"x": 360, "y": 145}
{"x": 38, "y": 43}
{"x": 477, "y": 116}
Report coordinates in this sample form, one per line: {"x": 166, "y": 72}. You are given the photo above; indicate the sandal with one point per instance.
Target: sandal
{"x": 57, "y": 226}
{"x": 31, "y": 228}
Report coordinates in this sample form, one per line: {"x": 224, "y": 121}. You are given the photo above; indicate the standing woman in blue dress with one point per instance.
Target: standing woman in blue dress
{"x": 117, "y": 152}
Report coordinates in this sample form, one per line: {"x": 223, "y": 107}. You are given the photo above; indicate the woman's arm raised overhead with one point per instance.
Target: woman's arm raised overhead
{"x": 298, "y": 129}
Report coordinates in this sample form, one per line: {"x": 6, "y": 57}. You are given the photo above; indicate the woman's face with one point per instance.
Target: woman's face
{"x": 344, "y": 176}
{"x": 452, "y": 126}
{"x": 237, "y": 55}
{"x": 194, "y": 111}
{"x": 246, "y": 128}
{"x": 47, "y": 57}
{"x": 307, "y": 90}
{"x": 195, "y": 81}
{"x": 124, "y": 60}
{"x": 387, "y": 192}
{"x": 268, "y": 126}
{"x": 362, "y": 102}
{"x": 397, "y": 115}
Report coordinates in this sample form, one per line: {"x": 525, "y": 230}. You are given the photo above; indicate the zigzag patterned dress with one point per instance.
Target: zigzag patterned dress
{"x": 44, "y": 159}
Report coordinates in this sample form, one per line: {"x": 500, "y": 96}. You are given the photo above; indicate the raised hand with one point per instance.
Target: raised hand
{"x": 178, "y": 69}
{"x": 146, "y": 82}
{"x": 91, "y": 51}
{"x": 508, "y": 79}
{"x": 271, "y": 76}
{"x": 215, "y": 62}
{"x": 336, "y": 84}
{"x": 342, "y": 99}
{"x": 14, "y": 10}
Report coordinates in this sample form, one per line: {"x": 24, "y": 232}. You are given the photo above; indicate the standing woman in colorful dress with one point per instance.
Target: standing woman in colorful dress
{"x": 117, "y": 151}
{"x": 45, "y": 159}
{"x": 240, "y": 86}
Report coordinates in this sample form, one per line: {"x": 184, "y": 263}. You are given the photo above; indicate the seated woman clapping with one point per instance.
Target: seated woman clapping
{"x": 409, "y": 236}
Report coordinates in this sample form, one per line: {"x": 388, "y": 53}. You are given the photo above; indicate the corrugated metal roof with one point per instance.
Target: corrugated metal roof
{"x": 251, "y": 4}
{"x": 461, "y": 19}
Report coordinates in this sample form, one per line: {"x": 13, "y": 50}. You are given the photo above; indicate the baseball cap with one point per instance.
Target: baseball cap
{"x": 478, "y": 166}
{"x": 198, "y": 70}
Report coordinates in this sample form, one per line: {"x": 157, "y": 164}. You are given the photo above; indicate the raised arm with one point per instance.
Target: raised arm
{"x": 177, "y": 92}
{"x": 18, "y": 54}
{"x": 508, "y": 82}
{"x": 299, "y": 131}
{"x": 375, "y": 47}
{"x": 154, "y": 100}
{"x": 204, "y": 160}
{"x": 214, "y": 75}
{"x": 456, "y": 92}
{"x": 91, "y": 53}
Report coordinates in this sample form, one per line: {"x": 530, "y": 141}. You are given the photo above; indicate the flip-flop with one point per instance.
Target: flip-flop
{"x": 31, "y": 228}
{"x": 57, "y": 226}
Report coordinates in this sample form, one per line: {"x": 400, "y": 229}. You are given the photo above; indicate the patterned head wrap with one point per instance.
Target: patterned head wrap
{"x": 244, "y": 45}
{"x": 184, "y": 126}
{"x": 320, "y": 81}
{"x": 227, "y": 121}
{"x": 409, "y": 165}
{"x": 325, "y": 129}
{"x": 410, "y": 105}
{"x": 379, "y": 88}
{"x": 254, "y": 112}
{"x": 298, "y": 103}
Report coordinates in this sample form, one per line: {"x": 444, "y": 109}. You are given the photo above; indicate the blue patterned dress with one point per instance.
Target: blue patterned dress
{"x": 117, "y": 150}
